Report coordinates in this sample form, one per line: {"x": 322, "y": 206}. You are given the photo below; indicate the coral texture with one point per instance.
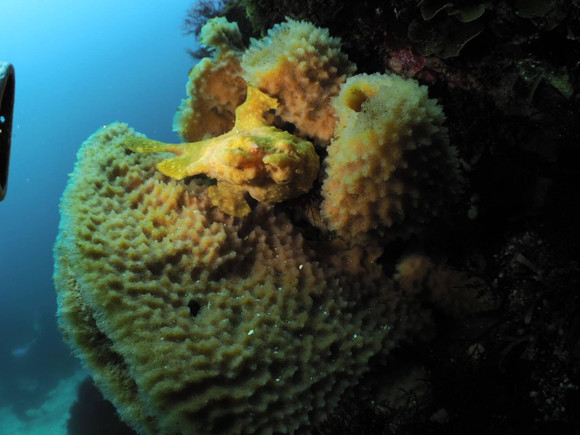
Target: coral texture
{"x": 215, "y": 87}
{"x": 302, "y": 66}
{"x": 390, "y": 168}
{"x": 270, "y": 164}
{"x": 297, "y": 63}
{"x": 193, "y": 322}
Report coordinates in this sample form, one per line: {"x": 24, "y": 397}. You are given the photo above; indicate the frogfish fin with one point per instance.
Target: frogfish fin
{"x": 250, "y": 114}
{"x": 145, "y": 145}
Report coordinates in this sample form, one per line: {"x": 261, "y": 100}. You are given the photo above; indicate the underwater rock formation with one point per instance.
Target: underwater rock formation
{"x": 194, "y": 321}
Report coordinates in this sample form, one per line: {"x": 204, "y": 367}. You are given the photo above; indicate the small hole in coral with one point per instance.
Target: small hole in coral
{"x": 355, "y": 99}
{"x": 194, "y": 307}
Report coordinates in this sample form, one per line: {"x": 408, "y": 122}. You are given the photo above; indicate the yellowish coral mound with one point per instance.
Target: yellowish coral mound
{"x": 215, "y": 87}
{"x": 192, "y": 322}
{"x": 302, "y": 66}
{"x": 390, "y": 168}
{"x": 270, "y": 164}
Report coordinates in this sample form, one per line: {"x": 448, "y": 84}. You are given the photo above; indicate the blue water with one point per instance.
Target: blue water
{"x": 79, "y": 65}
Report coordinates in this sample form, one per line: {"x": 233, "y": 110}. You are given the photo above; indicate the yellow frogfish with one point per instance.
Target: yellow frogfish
{"x": 255, "y": 157}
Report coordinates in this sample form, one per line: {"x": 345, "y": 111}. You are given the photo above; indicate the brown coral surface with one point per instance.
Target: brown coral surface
{"x": 191, "y": 321}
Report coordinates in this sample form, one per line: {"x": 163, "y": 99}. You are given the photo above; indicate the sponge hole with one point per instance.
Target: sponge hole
{"x": 194, "y": 307}
{"x": 355, "y": 99}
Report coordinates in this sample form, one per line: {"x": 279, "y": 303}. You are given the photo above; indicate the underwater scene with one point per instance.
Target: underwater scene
{"x": 292, "y": 217}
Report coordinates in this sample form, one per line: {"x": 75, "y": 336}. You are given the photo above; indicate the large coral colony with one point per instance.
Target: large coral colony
{"x": 240, "y": 285}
